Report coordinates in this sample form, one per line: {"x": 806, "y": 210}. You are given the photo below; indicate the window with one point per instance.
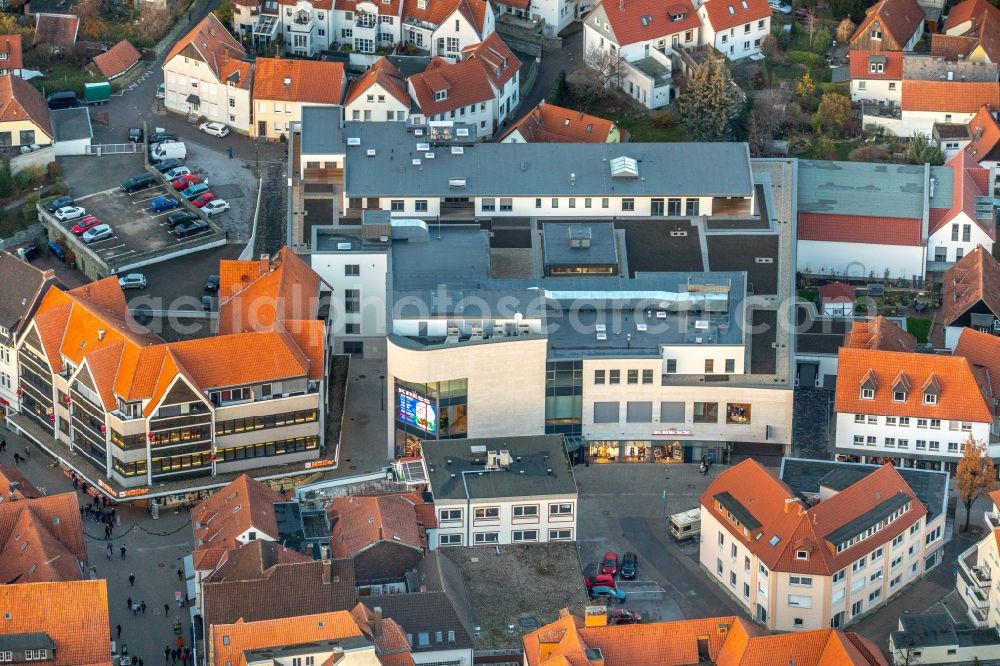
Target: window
{"x": 899, "y": 396}
{"x": 859, "y": 418}
{"x": 638, "y": 412}
{"x": 896, "y": 561}
{"x": 6, "y": 656}
{"x": 598, "y": 376}
{"x": 506, "y": 205}
{"x": 930, "y": 398}
{"x": 839, "y": 576}
{"x": 838, "y": 596}
{"x": 647, "y": 376}
{"x": 801, "y": 555}
{"x": 605, "y": 202}
{"x": 732, "y": 579}
{"x": 486, "y": 537}
{"x": 890, "y": 442}
{"x": 903, "y": 443}
{"x": 874, "y": 596}
{"x": 450, "y": 514}
{"x": 560, "y": 509}
{"x": 489, "y": 204}
{"x": 870, "y": 440}
{"x": 487, "y": 513}
{"x": 876, "y": 33}
{"x": 555, "y": 202}
{"x": 524, "y": 535}
{"x": 890, "y": 420}
{"x": 692, "y": 207}
{"x": 921, "y": 445}
{"x": 560, "y": 535}
{"x": 892, "y": 85}
{"x": 872, "y": 419}
{"x": 633, "y": 376}
{"x": 526, "y": 511}
{"x": 606, "y": 412}
{"x": 718, "y": 566}
{"x": 867, "y": 394}
{"x": 904, "y": 421}
{"x": 876, "y": 575}
{"x": 615, "y": 377}
{"x": 746, "y": 563}
{"x": 706, "y": 412}
{"x": 352, "y": 301}
{"x": 628, "y": 205}
{"x": 397, "y": 205}
{"x": 762, "y": 570}
{"x": 921, "y": 423}
{"x": 856, "y": 608}
{"x": 730, "y": 365}
{"x": 733, "y": 551}
{"x": 800, "y": 581}
{"x": 897, "y": 541}
{"x": 952, "y": 447}
{"x": 421, "y": 205}
{"x": 799, "y": 601}
{"x": 709, "y": 365}
{"x": 352, "y": 329}
{"x": 859, "y": 565}
{"x": 746, "y": 590}
{"x": 572, "y": 202}
{"x": 352, "y": 270}
{"x": 671, "y": 366}
{"x": 878, "y": 553}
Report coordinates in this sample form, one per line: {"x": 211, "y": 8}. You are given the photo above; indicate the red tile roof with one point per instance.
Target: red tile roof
{"x": 10, "y": 46}
{"x": 731, "y": 641}
{"x": 836, "y": 292}
{"x": 726, "y": 14}
{"x": 859, "y": 229}
{"x": 548, "y": 123}
{"x": 117, "y": 60}
{"x": 971, "y": 10}
{"x": 20, "y": 101}
{"x": 390, "y": 641}
{"x": 974, "y": 278}
{"x": 56, "y": 30}
{"x": 436, "y": 12}
{"x": 900, "y": 18}
{"x": 243, "y": 504}
{"x": 360, "y": 522}
{"x": 949, "y": 96}
{"x": 384, "y": 74}
{"x": 643, "y": 20}
{"x": 391, "y": 9}
{"x": 73, "y": 614}
{"x": 985, "y": 133}
{"x": 960, "y": 399}
{"x": 879, "y": 333}
{"x": 312, "y": 81}
{"x": 464, "y": 83}
{"x": 13, "y": 481}
{"x": 860, "y": 65}
{"x": 951, "y": 47}
{"x": 983, "y": 351}
{"x": 496, "y": 58}
{"x": 787, "y": 522}
{"x": 41, "y": 539}
{"x": 210, "y": 42}
{"x": 969, "y": 182}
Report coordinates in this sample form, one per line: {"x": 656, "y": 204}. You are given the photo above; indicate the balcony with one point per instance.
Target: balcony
{"x": 335, "y": 176}
{"x": 992, "y": 520}
{"x": 975, "y": 575}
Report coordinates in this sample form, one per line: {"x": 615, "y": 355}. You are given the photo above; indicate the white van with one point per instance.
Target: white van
{"x": 166, "y": 151}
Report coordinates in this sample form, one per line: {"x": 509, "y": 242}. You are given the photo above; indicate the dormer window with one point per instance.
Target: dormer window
{"x": 440, "y": 95}
{"x": 876, "y": 67}
{"x": 678, "y": 17}
{"x": 932, "y": 390}
{"x": 868, "y": 386}
{"x": 900, "y": 388}
{"x": 802, "y": 555}
{"x": 899, "y": 396}
{"x": 930, "y": 398}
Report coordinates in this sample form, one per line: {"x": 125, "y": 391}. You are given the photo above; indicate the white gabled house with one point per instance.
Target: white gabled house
{"x": 735, "y": 27}
{"x": 379, "y": 95}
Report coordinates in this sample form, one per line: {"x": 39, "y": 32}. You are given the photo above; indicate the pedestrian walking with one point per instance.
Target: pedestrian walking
{"x": 119, "y": 628}
{"x": 180, "y": 644}
{"x": 109, "y": 550}
{"x": 107, "y": 532}
{"x": 180, "y": 574}
{"x": 17, "y": 458}
{"x": 184, "y": 660}
{"x": 128, "y": 604}
{"x": 140, "y": 661}
{"x": 230, "y": 150}
{"x": 27, "y": 451}
{"x": 131, "y": 580}
{"x": 173, "y": 655}
{"x": 166, "y": 654}
{"x": 166, "y": 610}
{"x": 142, "y": 605}
{"x": 123, "y": 549}
{"x": 3, "y": 444}
{"x": 135, "y": 660}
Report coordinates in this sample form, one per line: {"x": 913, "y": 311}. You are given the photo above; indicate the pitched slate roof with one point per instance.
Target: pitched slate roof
{"x": 24, "y": 286}
{"x": 118, "y": 59}
{"x": 210, "y": 42}
{"x": 975, "y": 277}
{"x": 10, "y": 46}
{"x": 312, "y": 81}
{"x": 383, "y": 73}
{"x": 879, "y": 333}
{"x": 56, "y": 30}
{"x": 20, "y": 101}
{"x": 41, "y": 539}
{"x": 549, "y": 123}
{"x": 859, "y": 229}
{"x": 73, "y": 614}
{"x": 726, "y": 14}
{"x": 961, "y": 397}
{"x": 643, "y": 20}
{"x": 900, "y": 18}
{"x": 360, "y": 522}
{"x": 243, "y": 504}
{"x": 860, "y": 65}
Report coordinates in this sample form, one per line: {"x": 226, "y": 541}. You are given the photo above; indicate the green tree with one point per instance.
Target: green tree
{"x": 805, "y": 88}
{"x": 560, "y": 90}
{"x": 821, "y": 40}
{"x": 834, "y": 110}
{"x": 712, "y": 103}
{"x": 853, "y": 9}
{"x": 923, "y": 151}
{"x": 6, "y": 179}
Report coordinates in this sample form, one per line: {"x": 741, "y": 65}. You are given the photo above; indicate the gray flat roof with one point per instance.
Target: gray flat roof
{"x": 562, "y": 246}
{"x": 520, "y": 169}
{"x": 464, "y": 478}
{"x": 71, "y": 124}
{"x": 927, "y": 630}
{"x": 863, "y": 188}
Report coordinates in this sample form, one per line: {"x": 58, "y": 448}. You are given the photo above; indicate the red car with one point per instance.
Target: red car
{"x": 610, "y": 564}
{"x": 624, "y": 616}
{"x": 599, "y": 579}
{"x": 86, "y": 223}
{"x": 186, "y": 181}
{"x": 202, "y": 199}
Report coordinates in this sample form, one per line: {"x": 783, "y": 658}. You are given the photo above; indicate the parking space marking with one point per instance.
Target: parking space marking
{"x": 166, "y": 212}
{"x": 96, "y": 243}
{"x": 138, "y": 201}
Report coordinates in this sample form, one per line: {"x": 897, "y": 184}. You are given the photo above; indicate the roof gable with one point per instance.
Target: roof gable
{"x": 974, "y": 278}
{"x": 644, "y": 20}
{"x": 726, "y": 14}
{"x": 20, "y": 101}
{"x": 382, "y": 74}
{"x": 243, "y": 504}
{"x": 549, "y": 123}
{"x": 117, "y": 60}
{"x": 900, "y": 18}
{"x": 10, "y": 50}
{"x": 212, "y": 42}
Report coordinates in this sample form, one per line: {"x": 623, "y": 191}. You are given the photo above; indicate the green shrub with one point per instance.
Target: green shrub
{"x": 836, "y": 88}
{"x": 53, "y": 170}
{"x": 804, "y": 58}
{"x": 59, "y": 189}
{"x": 29, "y": 213}
{"x": 662, "y": 119}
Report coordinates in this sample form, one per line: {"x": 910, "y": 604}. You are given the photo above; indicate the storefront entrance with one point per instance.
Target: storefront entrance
{"x": 657, "y": 451}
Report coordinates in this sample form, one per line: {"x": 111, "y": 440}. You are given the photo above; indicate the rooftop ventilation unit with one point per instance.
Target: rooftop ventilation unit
{"x": 343, "y": 246}
{"x": 461, "y": 131}
{"x": 353, "y": 141}
{"x": 456, "y": 182}
{"x": 370, "y": 152}
{"x": 428, "y": 156}
{"x": 624, "y": 167}
{"x": 457, "y": 150}
{"x": 416, "y": 161}
{"x": 423, "y": 146}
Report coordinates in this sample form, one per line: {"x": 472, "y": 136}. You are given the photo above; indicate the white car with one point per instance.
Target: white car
{"x": 67, "y": 213}
{"x": 215, "y": 206}
{"x": 98, "y": 233}
{"x": 176, "y": 173}
{"x": 132, "y": 281}
{"x": 161, "y": 91}
{"x": 780, "y": 7}
{"x": 216, "y": 129}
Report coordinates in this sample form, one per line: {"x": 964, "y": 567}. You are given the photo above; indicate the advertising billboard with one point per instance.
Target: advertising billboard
{"x": 416, "y": 410}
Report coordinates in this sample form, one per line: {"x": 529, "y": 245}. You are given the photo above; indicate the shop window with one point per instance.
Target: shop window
{"x": 706, "y": 412}
{"x": 737, "y": 413}
{"x": 606, "y": 412}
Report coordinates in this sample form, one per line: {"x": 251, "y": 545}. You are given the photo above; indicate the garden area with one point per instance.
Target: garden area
{"x": 21, "y": 192}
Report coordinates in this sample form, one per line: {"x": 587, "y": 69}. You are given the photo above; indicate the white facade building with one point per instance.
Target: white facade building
{"x": 735, "y": 27}
{"x": 24, "y": 286}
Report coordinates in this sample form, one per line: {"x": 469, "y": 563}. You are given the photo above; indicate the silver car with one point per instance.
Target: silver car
{"x": 98, "y": 233}
{"x": 132, "y": 281}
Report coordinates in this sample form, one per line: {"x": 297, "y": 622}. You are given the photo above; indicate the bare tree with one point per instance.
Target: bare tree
{"x": 607, "y": 68}
{"x": 812, "y": 24}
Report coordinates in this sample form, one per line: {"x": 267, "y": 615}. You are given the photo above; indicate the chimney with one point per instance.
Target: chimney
{"x": 621, "y": 5}
{"x": 377, "y": 622}
{"x": 326, "y": 573}
{"x": 100, "y": 334}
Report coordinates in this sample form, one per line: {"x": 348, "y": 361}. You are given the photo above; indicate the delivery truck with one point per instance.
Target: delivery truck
{"x": 166, "y": 151}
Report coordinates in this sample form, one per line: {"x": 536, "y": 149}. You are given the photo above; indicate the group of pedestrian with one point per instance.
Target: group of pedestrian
{"x": 706, "y": 465}
{"x": 178, "y": 653}
{"x": 137, "y": 607}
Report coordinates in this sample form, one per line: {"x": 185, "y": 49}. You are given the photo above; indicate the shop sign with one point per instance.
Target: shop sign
{"x": 313, "y": 464}
{"x": 122, "y": 494}
{"x": 671, "y": 432}
{"x": 107, "y": 488}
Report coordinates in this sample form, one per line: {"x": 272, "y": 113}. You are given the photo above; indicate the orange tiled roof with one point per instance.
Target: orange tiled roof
{"x": 994, "y": 496}
{"x": 312, "y": 81}
{"x": 900, "y": 18}
{"x": 11, "y": 46}
{"x": 437, "y": 12}
{"x": 260, "y": 294}
{"x": 548, "y": 123}
{"x": 73, "y": 614}
{"x": 726, "y": 14}
{"x": 859, "y": 229}
{"x": 731, "y": 642}
{"x": 985, "y": 133}
{"x": 970, "y": 10}
{"x": 41, "y": 539}
{"x": 496, "y": 57}
{"x": 210, "y": 42}
{"x": 243, "y": 504}
{"x": 974, "y": 278}
{"x": 791, "y": 526}
{"x": 949, "y": 96}
{"x": 861, "y": 69}
{"x": 56, "y": 30}
{"x": 386, "y": 634}
{"x": 384, "y": 74}
{"x": 983, "y": 351}
{"x": 642, "y": 20}
{"x": 960, "y": 399}
{"x": 969, "y": 183}
{"x": 464, "y": 83}
{"x": 879, "y": 333}
{"x": 24, "y": 489}
{"x": 359, "y": 522}
{"x": 20, "y": 101}
{"x": 117, "y": 60}
{"x": 952, "y": 47}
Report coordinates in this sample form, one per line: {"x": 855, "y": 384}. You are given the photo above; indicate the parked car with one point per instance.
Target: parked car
{"x": 180, "y": 216}
{"x": 193, "y": 191}
{"x": 132, "y": 281}
{"x": 161, "y": 137}
{"x": 185, "y": 229}
{"x": 176, "y": 172}
{"x": 161, "y": 91}
{"x": 214, "y": 207}
{"x": 56, "y": 204}
{"x": 780, "y": 7}
{"x": 212, "y": 283}
{"x": 163, "y": 151}
{"x": 138, "y": 182}
{"x": 610, "y": 564}
{"x": 160, "y": 204}
{"x": 65, "y": 99}
{"x": 630, "y": 562}
{"x": 98, "y": 233}
{"x": 624, "y": 616}
{"x": 605, "y": 592}
{"x": 186, "y": 181}
{"x": 202, "y": 199}
{"x": 599, "y": 579}
{"x": 86, "y": 223}
{"x": 166, "y": 165}
{"x": 135, "y": 135}
{"x": 215, "y": 129}
{"x": 67, "y": 213}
